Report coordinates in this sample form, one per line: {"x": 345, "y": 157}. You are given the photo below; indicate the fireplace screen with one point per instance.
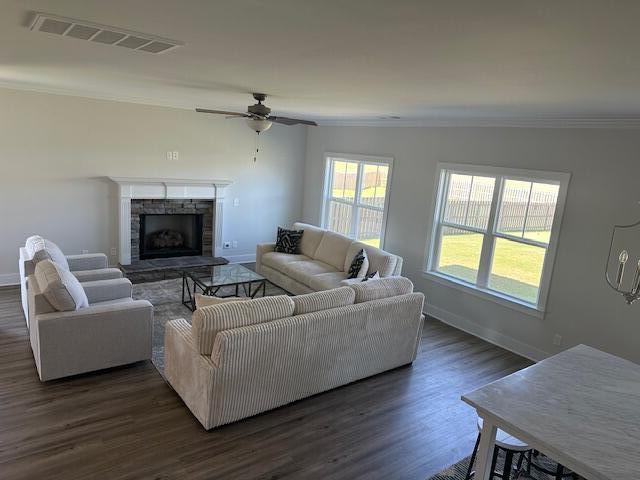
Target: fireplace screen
{"x": 170, "y": 235}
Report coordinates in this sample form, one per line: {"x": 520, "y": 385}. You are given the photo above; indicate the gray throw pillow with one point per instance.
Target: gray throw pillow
{"x": 61, "y": 289}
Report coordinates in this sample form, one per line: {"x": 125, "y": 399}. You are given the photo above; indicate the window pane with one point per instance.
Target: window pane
{"x": 527, "y": 209}
{"x": 460, "y": 253}
{"x": 370, "y": 226}
{"x": 374, "y": 184}
{"x": 468, "y": 200}
{"x": 516, "y": 269}
{"x": 542, "y": 208}
{"x": 340, "y": 216}
{"x": 343, "y": 183}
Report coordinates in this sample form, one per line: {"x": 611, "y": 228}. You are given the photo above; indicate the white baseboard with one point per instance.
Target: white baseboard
{"x": 491, "y": 336}
{"x": 9, "y": 279}
{"x": 246, "y": 258}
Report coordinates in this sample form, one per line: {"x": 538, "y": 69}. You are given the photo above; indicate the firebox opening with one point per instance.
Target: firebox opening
{"x": 170, "y": 235}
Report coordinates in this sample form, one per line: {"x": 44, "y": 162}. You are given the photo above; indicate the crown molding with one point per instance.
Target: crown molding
{"x": 612, "y": 122}
{"x": 50, "y": 90}
{"x": 514, "y": 121}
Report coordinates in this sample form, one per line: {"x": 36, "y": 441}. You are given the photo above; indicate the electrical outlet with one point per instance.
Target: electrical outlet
{"x": 84, "y": 252}
{"x": 172, "y": 155}
{"x": 236, "y": 202}
{"x": 557, "y": 340}
{"x": 235, "y": 244}
{"x": 114, "y": 251}
{"x": 226, "y": 245}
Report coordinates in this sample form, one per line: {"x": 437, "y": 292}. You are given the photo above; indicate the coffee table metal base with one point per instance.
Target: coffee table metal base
{"x": 250, "y": 289}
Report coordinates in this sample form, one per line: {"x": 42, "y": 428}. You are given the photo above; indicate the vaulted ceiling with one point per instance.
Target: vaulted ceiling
{"x": 345, "y": 61}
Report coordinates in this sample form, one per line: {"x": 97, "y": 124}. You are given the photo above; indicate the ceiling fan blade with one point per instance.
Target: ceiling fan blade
{"x": 291, "y": 121}
{"x": 221, "y": 112}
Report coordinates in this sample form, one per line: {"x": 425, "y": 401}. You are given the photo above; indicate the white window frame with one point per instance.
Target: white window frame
{"x": 356, "y": 204}
{"x": 491, "y": 234}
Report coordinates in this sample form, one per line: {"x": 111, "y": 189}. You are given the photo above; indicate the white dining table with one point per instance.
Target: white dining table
{"x": 580, "y": 407}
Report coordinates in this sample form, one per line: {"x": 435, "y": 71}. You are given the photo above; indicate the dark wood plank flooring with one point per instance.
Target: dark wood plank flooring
{"x": 127, "y": 423}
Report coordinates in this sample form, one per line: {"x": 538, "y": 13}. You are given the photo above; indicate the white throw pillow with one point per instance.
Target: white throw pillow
{"x": 43, "y": 249}
{"x": 371, "y": 276}
{"x": 61, "y": 289}
{"x": 33, "y": 243}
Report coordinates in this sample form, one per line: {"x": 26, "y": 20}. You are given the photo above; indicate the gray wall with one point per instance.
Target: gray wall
{"x": 605, "y": 169}
{"x": 55, "y": 149}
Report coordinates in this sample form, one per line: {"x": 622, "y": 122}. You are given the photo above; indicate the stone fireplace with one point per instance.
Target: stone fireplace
{"x": 171, "y": 228}
{"x": 165, "y": 218}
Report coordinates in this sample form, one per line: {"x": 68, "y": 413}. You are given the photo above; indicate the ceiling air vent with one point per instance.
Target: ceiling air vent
{"x": 93, "y": 32}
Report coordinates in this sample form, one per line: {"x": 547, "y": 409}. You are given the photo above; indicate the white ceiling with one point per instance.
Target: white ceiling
{"x": 340, "y": 61}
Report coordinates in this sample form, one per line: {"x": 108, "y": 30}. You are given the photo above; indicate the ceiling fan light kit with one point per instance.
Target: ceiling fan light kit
{"x": 259, "y": 125}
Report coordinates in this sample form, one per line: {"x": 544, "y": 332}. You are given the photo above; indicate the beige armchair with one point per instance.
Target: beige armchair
{"x": 112, "y": 330}
{"x": 86, "y": 267}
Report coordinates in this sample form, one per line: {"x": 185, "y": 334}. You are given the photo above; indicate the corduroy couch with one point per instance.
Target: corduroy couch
{"x": 322, "y": 263}
{"x": 242, "y": 358}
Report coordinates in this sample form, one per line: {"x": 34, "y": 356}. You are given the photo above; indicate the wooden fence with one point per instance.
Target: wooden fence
{"x": 370, "y": 221}
{"x": 516, "y": 212}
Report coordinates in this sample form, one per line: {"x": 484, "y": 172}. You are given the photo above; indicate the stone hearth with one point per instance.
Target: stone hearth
{"x": 167, "y": 268}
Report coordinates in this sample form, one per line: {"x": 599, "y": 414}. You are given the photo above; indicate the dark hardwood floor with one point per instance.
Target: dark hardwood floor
{"x": 128, "y": 423}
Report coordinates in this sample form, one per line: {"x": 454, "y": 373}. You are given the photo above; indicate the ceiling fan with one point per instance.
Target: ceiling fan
{"x": 258, "y": 116}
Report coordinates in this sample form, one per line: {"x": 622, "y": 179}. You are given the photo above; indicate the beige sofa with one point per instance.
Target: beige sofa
{"x": 323, "y": 261}
{"x": 239, "y": 359}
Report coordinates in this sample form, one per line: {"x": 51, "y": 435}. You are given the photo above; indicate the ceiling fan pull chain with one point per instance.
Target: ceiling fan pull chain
{"x": 255, "y": 156}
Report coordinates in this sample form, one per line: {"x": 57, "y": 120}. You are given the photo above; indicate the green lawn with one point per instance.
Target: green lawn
{"x": 374, "y": 242}
{"x": 368, "y": 192}
{"x": 516, "y": 268}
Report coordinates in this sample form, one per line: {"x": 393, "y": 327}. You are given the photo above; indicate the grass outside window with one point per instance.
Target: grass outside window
{"x": 516, "y": 268}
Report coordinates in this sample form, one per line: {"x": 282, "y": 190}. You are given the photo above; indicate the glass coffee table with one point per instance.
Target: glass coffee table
{"x": 209, "y": 280}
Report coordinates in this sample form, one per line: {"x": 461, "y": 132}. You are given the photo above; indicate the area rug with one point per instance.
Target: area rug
{"x": 457, "y": 471}
{"x": 166, "y": 297}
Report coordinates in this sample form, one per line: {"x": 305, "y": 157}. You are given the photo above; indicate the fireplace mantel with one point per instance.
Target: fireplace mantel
{"x": 165, "y": 188}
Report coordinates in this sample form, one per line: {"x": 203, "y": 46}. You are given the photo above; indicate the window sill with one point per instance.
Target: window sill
{"x": 486, "y": 294}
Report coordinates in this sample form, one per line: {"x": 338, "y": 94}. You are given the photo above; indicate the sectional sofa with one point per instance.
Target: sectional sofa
{"x": 238, "y": 359}
{"x": 322, "y": 263}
